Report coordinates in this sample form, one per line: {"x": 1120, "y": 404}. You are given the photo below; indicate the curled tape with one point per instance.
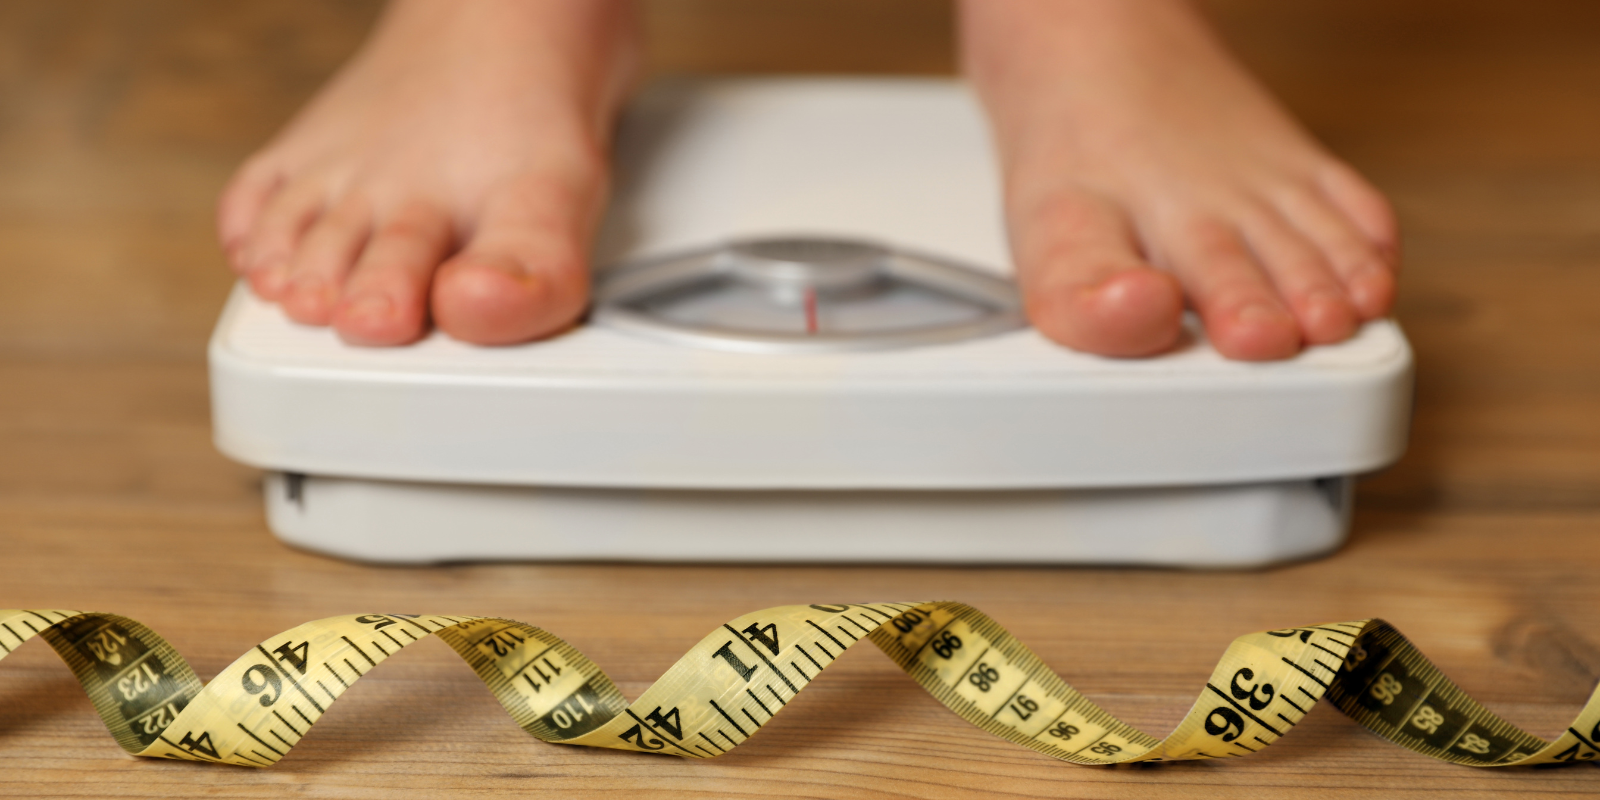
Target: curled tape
{"x": 741, "y": 675}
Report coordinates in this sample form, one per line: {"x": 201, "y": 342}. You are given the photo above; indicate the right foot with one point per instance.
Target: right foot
{"x": 454, "y": 170}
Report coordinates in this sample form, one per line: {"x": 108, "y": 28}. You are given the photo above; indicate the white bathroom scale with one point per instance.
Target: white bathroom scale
{"x": 804, "y": 347}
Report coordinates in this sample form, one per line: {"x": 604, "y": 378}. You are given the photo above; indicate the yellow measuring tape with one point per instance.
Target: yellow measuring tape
{"x": 741, "y": 675}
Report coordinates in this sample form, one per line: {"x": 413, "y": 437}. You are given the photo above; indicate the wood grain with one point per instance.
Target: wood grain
{"x": 119, "y": 121}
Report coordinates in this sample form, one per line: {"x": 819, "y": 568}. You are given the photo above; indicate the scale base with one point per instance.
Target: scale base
{"x": 1232, "y": 526}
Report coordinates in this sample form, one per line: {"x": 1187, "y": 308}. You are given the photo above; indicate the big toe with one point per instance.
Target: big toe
{"x": 500, "y": 296}
{"x": 523, "y": 274}
{"x": 1086, "y": 283}
{"x": 1131, "y": 313}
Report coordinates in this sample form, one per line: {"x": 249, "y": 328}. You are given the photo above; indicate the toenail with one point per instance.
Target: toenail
{"x": 1260, "y": 313}
{"x": 1326, "y": 299}
{"x": 270, "y": 278}
{"x": 370, "y": 307}
{"x": 1390, "y": 253}
{"x": 254, "y": 259}
{"x": 302, "y": 286}
{"x": 1369, "y": 290}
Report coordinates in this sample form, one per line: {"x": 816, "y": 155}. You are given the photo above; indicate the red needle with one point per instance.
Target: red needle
{"x": 811, "y": 311}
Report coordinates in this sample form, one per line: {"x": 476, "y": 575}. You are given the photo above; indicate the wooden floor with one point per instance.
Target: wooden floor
{"x": 120, "y": 120}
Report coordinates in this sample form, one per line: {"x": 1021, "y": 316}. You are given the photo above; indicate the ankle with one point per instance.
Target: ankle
{"x": 1045, "y": 68}
{"x": 1028, "y": 48}
{"x": 587, "y": 54}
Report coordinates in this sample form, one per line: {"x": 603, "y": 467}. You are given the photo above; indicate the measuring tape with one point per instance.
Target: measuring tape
{"x": 740, "y": 676}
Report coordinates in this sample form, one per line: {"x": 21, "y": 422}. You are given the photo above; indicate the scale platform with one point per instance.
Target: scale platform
{"x": 804, "y": 346}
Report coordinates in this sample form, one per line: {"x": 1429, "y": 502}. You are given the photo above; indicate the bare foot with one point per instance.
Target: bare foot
{"x": 1143, "y": 167}
{"x": 454, "y": 168}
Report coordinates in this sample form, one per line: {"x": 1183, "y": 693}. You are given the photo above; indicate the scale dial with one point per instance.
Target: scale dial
{"x": 805, "y": 295}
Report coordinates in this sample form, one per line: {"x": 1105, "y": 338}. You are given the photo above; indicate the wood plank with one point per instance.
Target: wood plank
{"x": 122, "y": 120}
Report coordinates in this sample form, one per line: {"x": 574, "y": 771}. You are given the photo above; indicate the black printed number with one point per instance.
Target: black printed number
{"x": 983, "y": 677}
{"x": 1106, "y": 749}
{"x": 1063, "y": 731}
{"x": 377, "y": 621}
{"x": 1224, "y": 722}
{"x": 907, "y": 621}
{"x": 269, "y": 683}
{"x": 947, "y": 644}
{"x": 638, "y": 738}
{"x": 199, "y": 744}
{"x": 502, "y": 643}
{"x": 1259, "y": 697}
{"x": 535, "y": 669}
{"x": 295, "y": 655}
{"x": 1024, "y": 706}
{"x": 1576, "y": 752}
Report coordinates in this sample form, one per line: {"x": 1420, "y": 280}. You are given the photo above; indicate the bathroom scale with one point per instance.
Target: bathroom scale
{"x": 804, "y": 346}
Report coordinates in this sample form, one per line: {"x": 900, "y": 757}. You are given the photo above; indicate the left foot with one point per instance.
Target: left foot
{"x": 1144, "y": 169}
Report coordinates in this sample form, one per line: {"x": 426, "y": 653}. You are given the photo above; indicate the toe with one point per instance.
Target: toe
{"x": 325, "y": 255}
{"x": 277, "y": 232}
{"x": 1371, "y": 288}
{"x": 508, "y": 292}
{"x": 1085, "y": 284}
{"x": 523, "y": 273}
{"x": 1365, "y": 265}
{"x": 1304, "y": 280}
{"x": 386, "y": 296}
{"x": 241, "y": 204}
{"x": 1363, "y": 205}
{"x": 1243, "y": 315}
